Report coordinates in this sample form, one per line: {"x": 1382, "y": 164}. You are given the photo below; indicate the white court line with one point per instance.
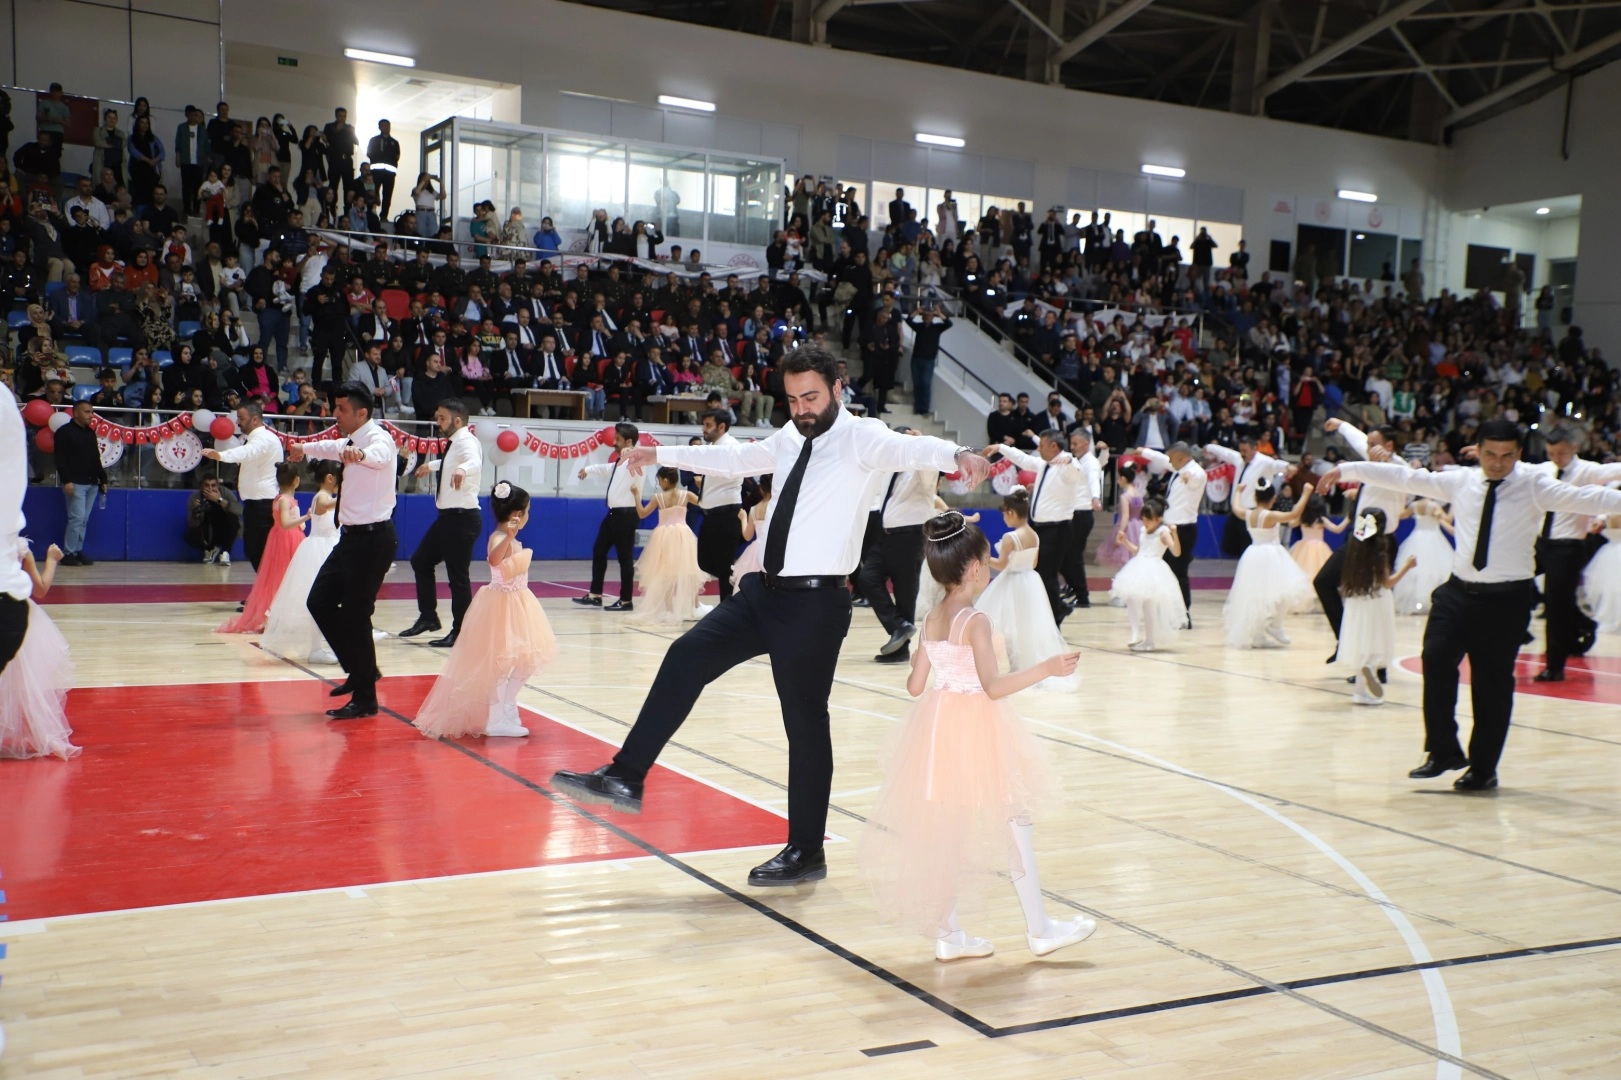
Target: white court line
{"x": 1446, "y": 1023}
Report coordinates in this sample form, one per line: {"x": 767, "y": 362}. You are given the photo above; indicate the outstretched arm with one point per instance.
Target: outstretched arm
{"x": 1551, "y": 494}
{"x": 998, "y": 685}
{"x": 731, "y": 460}
{"x": 1444, "y": 486}
{"x": 1336, "y": 529}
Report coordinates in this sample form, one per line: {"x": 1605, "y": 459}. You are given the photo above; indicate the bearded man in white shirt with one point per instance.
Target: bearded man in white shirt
{"x": 451, "y": 537}
{"x": 797, "y": 610}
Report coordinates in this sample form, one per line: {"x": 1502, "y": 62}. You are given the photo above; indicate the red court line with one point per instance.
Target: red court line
{"x": 211, "y": 791}
{"x": 1587, "y": 678}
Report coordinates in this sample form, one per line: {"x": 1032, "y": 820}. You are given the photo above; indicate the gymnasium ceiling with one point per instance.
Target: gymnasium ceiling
{"x": 1401, "y": 68}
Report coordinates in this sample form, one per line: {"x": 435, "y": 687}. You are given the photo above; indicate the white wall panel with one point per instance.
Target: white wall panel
{"x": 592, "y": 115}
{"x": 82, "y": 46}
{"x": 1217, "y": 203}
{"x": 900, "y": 163}
{"x": 176, "y": 61}
{"x": 1009, "y": 176}
{"x": 1173, "y": 198}
{"x": 638, "y": 122}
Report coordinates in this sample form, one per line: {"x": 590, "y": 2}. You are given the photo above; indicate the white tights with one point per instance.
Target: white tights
{"x": 1027, "y": 885}
{"x": 504, "y": 698}
{"x": 1141, "y": 615}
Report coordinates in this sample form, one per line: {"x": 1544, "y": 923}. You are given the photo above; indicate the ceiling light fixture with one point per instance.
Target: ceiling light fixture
{"x": 381, "y": 57}
{"x": 1543, "y": 210}
{"x": 1361, "y": 236}
{"x": 1358, "y": 196}
{"x": 1164, "y": 170}
{"x": 941, "y": 140}
{"x": 686, "y": 103}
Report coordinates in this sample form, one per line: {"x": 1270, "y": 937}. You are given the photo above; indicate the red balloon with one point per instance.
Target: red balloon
{"x": 222, "y": 428}
{"x": 45, "y": 438}
{"x": 507, "y": 440}
{"x": 38, "y": 412}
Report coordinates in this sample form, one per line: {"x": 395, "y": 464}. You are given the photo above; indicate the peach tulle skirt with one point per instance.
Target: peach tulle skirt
{"x": 34, "y": 692}
{"x": 504, "y": 634}
{"x": 1310, "y": 553}
{"x": 670, "y": 578}
{"x": 279, "y": 548}
{"x": 958, "y": 770}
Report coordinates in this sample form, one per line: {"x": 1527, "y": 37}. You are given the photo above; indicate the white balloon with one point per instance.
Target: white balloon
{"x": 58, "y": 419}
{"x": 499, "y": 456}
{"x": 484, "y": 431}
{"x": 201, "y": 419}
{"x": 227, "y": 444}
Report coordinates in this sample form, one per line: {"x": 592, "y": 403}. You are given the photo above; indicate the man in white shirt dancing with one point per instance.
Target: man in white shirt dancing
{"x": 345, "y": 591}
{"x": 1088, "y": 501}
{"x": 1563, "y": 548}
{"x": 797, "y": 611}
{"x": 722, "y": 500}
{"x": 1052, "y": 507}
{"x": 1249, "y": 466}
{"x": 1379, "y": 444}
{"x": 451, "y": 537}
{"x": 618, "y": 529}
{"x": 258, "y": 455}
{"x": 1484, "y": 610}
{"x": 895, "y": 557}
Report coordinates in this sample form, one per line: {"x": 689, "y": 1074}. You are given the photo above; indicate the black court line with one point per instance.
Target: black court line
{"x": 899, "y": 1048}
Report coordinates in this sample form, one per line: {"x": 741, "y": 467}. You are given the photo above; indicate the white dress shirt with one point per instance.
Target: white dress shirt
{"x": 848, "y": 464}
{"x": 1090, "y": 488}
{"x": 367, "y": 495}
{"x": 551, "y": 367}
{"x": 464, "y": 458}
{"x": 1370, "y": 496}
{"x": 1522, "y": 498}
{"x": 1057, "y": 483}
{"x": 1184, "y": 494}
{"x": 624, "y": 490}
{"x": 14, "y": 580}
{"x": 722, "y": 490}
{"x": 1579, "y": 473}
{"x": 258, "y": 455}
{"x": 1247, "y": 473}
{"x": 92, "y": 206}
{"x": 909, "y": 498}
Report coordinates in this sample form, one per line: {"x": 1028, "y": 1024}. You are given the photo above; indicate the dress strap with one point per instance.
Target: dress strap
{"x": 959, "y": 624}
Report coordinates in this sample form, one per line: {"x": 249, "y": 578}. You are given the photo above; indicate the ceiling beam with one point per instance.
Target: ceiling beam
{"x": 1099, "y": 29}
{"x": 1535, "y": 79}
{"x": 1378, "y": 73}
{"x": 1369, "y": 29}
{"x": 1425, "y": 67}
{"x": 1037, "y": 21}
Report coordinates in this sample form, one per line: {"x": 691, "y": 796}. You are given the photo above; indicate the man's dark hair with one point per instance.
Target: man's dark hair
{"x": 1500, "y": 431}
{"x": 254, "y": 407}
{"x": 1388, "y": 433}
{"x": 627, "y": 432}
{"x": 1053, "y": 435}
{"x": 1561, "y": 433}
{"x": 812, "y": 358}
{"x": 455, "y": 407}
{"x": 722, "y": 417}
{"x": 359, "y": 397}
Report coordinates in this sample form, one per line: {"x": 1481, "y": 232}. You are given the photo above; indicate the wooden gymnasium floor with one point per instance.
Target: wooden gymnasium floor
{"x": 226, "y": 885}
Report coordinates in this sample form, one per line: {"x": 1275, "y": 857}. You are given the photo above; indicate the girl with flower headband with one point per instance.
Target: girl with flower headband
{"x": 1268, "y": 584}
{"x": 504, "y": 639}
{"x": 964, "y": 778}
{"x": 1368, "y": 631}
{"x": 1017, "y": 600}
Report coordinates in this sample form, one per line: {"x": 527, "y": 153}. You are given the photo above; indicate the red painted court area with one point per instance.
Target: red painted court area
{"x": 205, "y": 792}
{"x": 1587, "y": 678}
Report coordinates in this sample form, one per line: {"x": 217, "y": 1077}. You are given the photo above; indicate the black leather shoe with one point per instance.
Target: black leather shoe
{"x": 1084, "y": 602}
{"x": 70, "y": 559}
{"x": 445, "y": 642}
{"x": 1383, "y": 677}
{"x": 1473, "y": 781}
{"x": 343, "y": 689}
{"x": 902, "y": 657}
{"x": 1434, "y": 766}
{"x": 589, "y": 601}
{"x": 897, "y": 641}
{"x": 421, "y": 626}
{"x": 1584, "y": 642}
{"x": 353, "y": 711}
{"x": 620, "y": 605}
{"x": 1333, "y": 658}
{"x": 85, "y": 560}
{"x": 790, "y": 866}
{"x": 1549, "y": 675}
{"x": 599, "y": 787}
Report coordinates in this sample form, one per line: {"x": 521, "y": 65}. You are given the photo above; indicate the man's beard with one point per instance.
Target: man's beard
{"x": 815, "y": 424}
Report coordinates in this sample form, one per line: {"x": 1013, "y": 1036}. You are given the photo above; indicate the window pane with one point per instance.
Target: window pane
{"x": 582, "y": 176}
{"x": 760, "y": 191}
{"x": 1373, "y": 255}
{"x": 1226, "y": 238}
{"x": 667, "y": 188}
{"x": 1128, "y": 221}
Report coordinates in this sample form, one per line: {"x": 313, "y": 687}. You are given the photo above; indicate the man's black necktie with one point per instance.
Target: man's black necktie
{"x": 776, "y": 540}
{"x": 608, "y": 498}
{"x": 1483, "y": 536}
{"x": 1547, "y": 519}
{"x": 439, "y": 474}
{"x": 1034, "y": 499}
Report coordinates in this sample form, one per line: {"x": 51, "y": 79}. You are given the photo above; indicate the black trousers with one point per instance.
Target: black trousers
{"x": 1188, "y": 537}
{"x": 258, "y": 518}
{"x": 449, "y": 540}
{"x": 869, "y": 550}
{"x": 1488, "y": 628}
{"x": 801, "y": 631}
{"x": 324, "y": 343}
{"x": 218, "y": 529}
{"x": 385, "y": 189}
{"x": 1054, "y": 537}
{"x": 1327, "y": 586}
{"x": 191, "y": 180}
{"x": 1562, "y": 562}
{"x": 1235, "y": 537}
{"x": 345, "y": 595}
{"x": 896, "y": 555}
{"x": 718, "y": 538}
{"x": 617, "y": 531}
{"x": 13, "y": 627}
{"x": 1080, "y": 528}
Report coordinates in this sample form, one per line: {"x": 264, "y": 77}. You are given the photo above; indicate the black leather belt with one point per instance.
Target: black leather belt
{"x": 800, "y": 584}
{"x": 621, "y": 509}
{"x": 458, "y": 510}
{"x": 370, "y": 526}
{"x": 1491, "y": 588}
{"x": 903, "y": 529}
{"x": 1556, "y": 541}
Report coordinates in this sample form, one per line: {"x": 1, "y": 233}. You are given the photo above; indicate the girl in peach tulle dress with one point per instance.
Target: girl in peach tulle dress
{"x": 279, "y": 547}
{"x": 668, "y": 568}
{"x": 753, "y": 519}
{"x": 34, "y": 687}
{"x": 964, "y": 778}
{"x": 505, "y": 638}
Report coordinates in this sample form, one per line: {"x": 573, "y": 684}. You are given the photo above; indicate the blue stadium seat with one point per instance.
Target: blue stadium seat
{"x": 54, "y": 287}
{"x": 187, "y": 328}
{"x": 120, "y": 357}
{"x": 16, "y": 319}
{"x": 83, "y": 356}
{"x": 84, "y": 393}
{"x": 162, "y": 357}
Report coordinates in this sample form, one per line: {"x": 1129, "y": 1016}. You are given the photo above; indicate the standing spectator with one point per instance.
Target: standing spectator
{"x": 329, "y": 324}
{"x": 80, "y": 472}
{"x": 109, "y": 149}
{"x": 341, "y": 143}
{"x": 51, "y": 113}
{"x": 1413, "y": 283}
{"x": 39, "y": 164}
{"x": 1021, "y": 234}
{"x": 1203, "y": 247}
{"x": 43, "y": 228}
{"x": 220, "y": 131}
{"x": 146, "y": 156}
{"x": 383, "y": 153}
{"x": 192, "y": 152}
{"x": 927, "y": 329}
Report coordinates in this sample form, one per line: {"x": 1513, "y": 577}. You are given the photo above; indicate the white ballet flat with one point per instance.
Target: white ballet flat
{"x": 1364, "y": 699}
{"x": 1139, "y": 646}
{"x": 1370, "y": 682}
{"x": 1070, "y": 933}
{"x": 1281, "y": 634}
{"x": 505, "y": 728}
{"x": 973, "y": 948}
{"x": 322, "y": 656}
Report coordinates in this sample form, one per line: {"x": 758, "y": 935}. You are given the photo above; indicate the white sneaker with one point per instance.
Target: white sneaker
{"x": 379, "y": 635}
{"x": 1277, "y": 631}
{"x": 210, "y": 555}
{"x": 972, "y": 947}
{"x": 322, "y": 655}
{"x": 224, "y": 558}
{"x": 1065, "y": 934}
{"x": 505, "y": 728}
